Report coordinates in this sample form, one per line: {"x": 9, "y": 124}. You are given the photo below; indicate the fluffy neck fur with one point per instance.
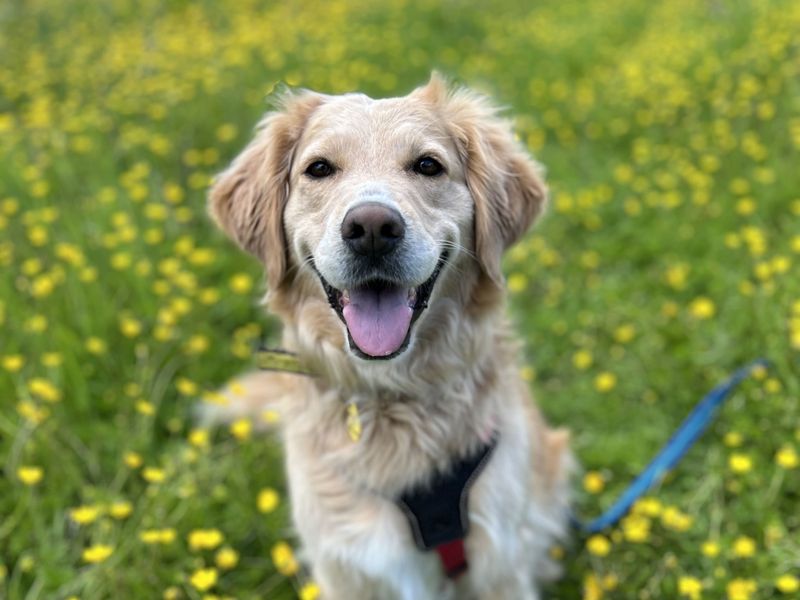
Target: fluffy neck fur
{"x": 418, "y": 411}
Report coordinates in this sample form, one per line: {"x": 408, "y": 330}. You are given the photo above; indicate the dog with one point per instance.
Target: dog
{"x": 381, "y": 225}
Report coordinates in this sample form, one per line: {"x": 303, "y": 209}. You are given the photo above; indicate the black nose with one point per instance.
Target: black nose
{"x": 372, "y": 229}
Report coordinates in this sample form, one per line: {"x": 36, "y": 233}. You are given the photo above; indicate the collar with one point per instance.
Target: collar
{"x": 437, "y": 511}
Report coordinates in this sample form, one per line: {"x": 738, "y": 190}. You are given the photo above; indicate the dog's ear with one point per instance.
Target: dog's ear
{"x": 505, "y": 182}
{"x": 247, "y": 200}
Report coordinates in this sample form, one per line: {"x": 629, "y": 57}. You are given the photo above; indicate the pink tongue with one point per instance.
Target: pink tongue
{"x": 378, "y": 319}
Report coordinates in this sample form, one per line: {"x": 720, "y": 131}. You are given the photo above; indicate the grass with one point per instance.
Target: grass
{"x": 669, "y": 257}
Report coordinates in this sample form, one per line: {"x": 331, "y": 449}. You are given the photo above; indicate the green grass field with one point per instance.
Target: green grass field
{"x": 670, "y": 256}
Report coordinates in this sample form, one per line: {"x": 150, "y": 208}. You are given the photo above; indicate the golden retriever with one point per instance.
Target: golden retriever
{"x": 381, "y": 225}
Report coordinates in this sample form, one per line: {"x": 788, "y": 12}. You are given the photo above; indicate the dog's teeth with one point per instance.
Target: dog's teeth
{"x": 344, "y": 299}
{"x": 412, "y": 296}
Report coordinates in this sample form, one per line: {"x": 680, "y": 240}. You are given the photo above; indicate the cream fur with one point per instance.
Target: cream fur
{"x": 458, "y": 381}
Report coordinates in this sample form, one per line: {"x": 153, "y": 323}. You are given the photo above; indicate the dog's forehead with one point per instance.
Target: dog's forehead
{"x": 359, "y": 116}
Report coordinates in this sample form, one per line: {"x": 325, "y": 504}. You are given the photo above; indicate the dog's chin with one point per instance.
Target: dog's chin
{"x": 379, "y": 314}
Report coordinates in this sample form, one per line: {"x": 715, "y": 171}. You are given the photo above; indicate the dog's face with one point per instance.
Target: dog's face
{"x": 378, "y": 205}
{"x": 376, "y": 199}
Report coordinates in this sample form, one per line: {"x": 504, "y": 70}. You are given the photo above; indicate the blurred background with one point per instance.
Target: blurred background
{"x": 669, "y": 256}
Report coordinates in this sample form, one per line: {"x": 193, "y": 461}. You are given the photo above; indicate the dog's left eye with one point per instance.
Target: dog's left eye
{"x": 319, "y": 169}
{"x": 430, "y": 167}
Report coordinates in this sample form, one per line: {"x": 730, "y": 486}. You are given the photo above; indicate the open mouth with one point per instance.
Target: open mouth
{"x": 379, "y": 314}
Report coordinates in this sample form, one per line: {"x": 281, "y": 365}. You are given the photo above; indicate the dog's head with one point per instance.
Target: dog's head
{"x": 377, "y": 199}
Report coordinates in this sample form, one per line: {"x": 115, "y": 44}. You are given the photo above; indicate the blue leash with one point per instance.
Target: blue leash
{"x": 672, "y": 452}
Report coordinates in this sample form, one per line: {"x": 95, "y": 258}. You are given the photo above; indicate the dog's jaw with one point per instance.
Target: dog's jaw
{"x": 408, "y": 304}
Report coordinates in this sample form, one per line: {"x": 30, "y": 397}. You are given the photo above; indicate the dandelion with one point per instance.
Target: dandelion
{"x": 204, "y": 579}
{"x": 582, "y": 359}
{"x": 690, "y": 587}
{"x": 702, "y": 308}
{"x": 226, "y": 558}
{"x": 241, "y": 429}
{"x": 154, "y": 475}
{"x": 30, "y": 475}
{"x": 741, "y": 589}
{"x": 132, "y": 460}
{"x": 593, "y": 482}
{"x": 158, "y": 536}
{"x": 284, "y": 560}
{"x": 97, "y": 553}
{"x": 13, "y": 362}
{"x": 204, "y": 539}
{"x": 120, "y": 510}
{"x": 787, "y": 584}
{"x": 309, "y": 591}
{"x": 268, "y": 500}
{"x": 787, "y": 458}
{"x": 605, "y": 382}
{"x": 241, "y": 283}
{"x": 740, "y": 463}
{"x": 744, "y": 547}
{"x": 517, "y": 282}
{"x": 199, "y": 438}
{"x": 710, "y": 549}
{"x": 599, "y": 545}
{"x": 83, "y": 515}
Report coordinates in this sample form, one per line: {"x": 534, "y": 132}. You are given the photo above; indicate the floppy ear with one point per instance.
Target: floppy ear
{"x": 247, "y": 200}
{"x": 505, "y": 182}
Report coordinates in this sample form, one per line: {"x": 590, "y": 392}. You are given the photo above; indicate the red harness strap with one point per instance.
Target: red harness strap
{"x": 453, "y": 557}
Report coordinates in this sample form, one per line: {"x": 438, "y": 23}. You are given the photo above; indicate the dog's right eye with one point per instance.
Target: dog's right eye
{"x": 319, "y": 169}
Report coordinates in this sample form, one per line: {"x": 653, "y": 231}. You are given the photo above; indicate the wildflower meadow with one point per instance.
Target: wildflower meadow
{"x": 669, "y": 256}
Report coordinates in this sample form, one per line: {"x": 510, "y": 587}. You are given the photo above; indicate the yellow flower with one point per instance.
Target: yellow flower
{"x": 267, "y": 500}
{"x": 636, "y": 528}
{"x": 13, "y": 362}
{"x": 592, "y": 590}
{"x": 702, "y": 308}
{"x": 132, "y": 460}
{"x": 30, "y": 475}
{"x": 309, "y": 591}
{"x": 732, "y": 439}
{"x": 284, "y": 560}
{"x": 97, "y": 553}
{"x": 691, "y": 587}
{"x": 599, "y": 545}
{"x": 158, "y": 536}
{"x": 226, "y": 558}
{"x": 740, "y": 463}
{"x": 741, "y": 589}
{"x": 94, "y": 345}
{"x": 674, "y": 519}
{"x": 787, "y": 584}
{"x": 121, "y": 509}
{"x": 84, "y": 515}
{"x": 204, "y": 579}
{"x": 198, "y": 438}
{"x": 241, "y": 283}
{"x": 605, "y": 382}
{"x": 710, "y": 549}
{"x": 744, "y": 547}
{"x": 787, "y": 458}
{"x": 44, "y": 389}
{"x": 154, "y": 475}
{"x": 205, "y": 539}
{"x": 144, "y": 407}
{"x": 187, "y": 387}
{"x": 624, "y": 333}
{"x": 582, "y": 359}
{"x": 593, "y": 482}
{"x": 517, "y": 282}
{"x": 241, "y": 429}
{"x": 129, "y": 326}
